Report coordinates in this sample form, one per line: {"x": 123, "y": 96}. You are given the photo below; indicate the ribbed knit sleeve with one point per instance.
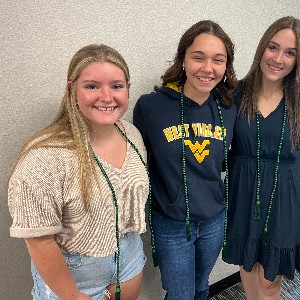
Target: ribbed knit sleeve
{"x": 35, "y": 196}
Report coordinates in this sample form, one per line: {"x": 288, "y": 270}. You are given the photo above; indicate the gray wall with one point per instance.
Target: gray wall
{"x": 37, "y": 40}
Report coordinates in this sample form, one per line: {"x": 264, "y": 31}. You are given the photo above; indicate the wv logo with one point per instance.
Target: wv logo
{"x": 198, "y": 149}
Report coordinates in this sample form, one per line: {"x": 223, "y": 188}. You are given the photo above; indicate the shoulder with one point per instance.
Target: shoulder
{"x": 232, "y": 109}
{"x": 149, "y": 98}
{"x": 157, "y": 96}
{"x": 228, "y": 113}
{"x": 238, "y": 93}
{"x": 146, "y": 106}
{"x": 134, "y": 135}
{"x": 129, "y": 127}
{"x": 45, "y": 162}
{"x": 156, "y": 103}
{"x": 227, "y": 109}
{"x": 131, "y": 131}
{"x": 49, "y": 155}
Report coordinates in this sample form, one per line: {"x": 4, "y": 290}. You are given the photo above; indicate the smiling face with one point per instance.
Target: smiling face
{"x": 102, "y": 93}
{"x": 279, "y": 57}
{"x": 205, "y": 65}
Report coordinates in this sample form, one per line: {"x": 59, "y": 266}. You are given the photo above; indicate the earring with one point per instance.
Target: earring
{"x": 183, "y": 67}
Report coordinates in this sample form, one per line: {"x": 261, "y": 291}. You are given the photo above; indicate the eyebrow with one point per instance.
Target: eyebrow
{"x": 274, "y": 43}
{"x": 201, "y": 52}
{"x": 95, "y": 81}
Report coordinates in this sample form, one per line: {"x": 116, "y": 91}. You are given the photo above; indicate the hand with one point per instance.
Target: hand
{"x": 82, "y": 296}
{"x": 48, "y": 259}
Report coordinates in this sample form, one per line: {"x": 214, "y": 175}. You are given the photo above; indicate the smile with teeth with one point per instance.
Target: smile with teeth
{"x": 101, "y": 108}
{"x": 274, "y": 68}
{"x": 205, "y": 79}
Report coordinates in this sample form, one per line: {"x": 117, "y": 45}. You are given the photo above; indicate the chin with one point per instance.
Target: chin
{"x": 207, "y": 89}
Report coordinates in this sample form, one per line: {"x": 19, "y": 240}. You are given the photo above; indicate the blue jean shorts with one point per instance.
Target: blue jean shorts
{"x": 93, "y": 274}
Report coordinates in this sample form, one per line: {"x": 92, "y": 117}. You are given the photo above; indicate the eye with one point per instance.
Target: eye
{"x": 90, "y": 86}
{"x": 118, "y": 86}
{"x": 291, "y": 53}
{"x": 219, "y": 60}
{"x": 272, "y": 47}
{"x": 198, "y": 58}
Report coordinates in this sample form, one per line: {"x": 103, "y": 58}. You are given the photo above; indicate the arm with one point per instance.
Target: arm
{"x": 138, "y": 118}
{"x": 139, "y": 123}
{"x": 50, "y": 263}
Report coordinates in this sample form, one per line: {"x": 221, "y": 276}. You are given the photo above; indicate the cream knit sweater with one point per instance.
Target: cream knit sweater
{"x": 44, "y": 199}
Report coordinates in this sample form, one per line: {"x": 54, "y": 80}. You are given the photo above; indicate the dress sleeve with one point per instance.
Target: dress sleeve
{"x": 35, "y": 194}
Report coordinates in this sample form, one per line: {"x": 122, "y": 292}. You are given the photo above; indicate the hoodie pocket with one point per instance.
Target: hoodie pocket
{"x": 206, "y": 199}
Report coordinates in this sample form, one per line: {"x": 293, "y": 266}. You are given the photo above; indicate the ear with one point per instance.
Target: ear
{"x": 70, "y": 85}
{"x": 128, "y": 84}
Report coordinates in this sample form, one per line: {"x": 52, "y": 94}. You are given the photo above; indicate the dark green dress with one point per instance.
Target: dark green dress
{"x": 281, "y": 254}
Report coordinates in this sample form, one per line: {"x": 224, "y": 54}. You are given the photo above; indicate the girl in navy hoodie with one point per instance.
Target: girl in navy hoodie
{"x": 187, "y": 127}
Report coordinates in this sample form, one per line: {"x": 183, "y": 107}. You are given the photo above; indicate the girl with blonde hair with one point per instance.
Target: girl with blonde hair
{"x": 78, "y": 190}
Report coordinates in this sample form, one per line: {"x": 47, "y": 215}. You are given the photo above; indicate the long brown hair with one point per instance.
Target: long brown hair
{"x": 175, "y": 72}
{"x": 70, "y": 129}
{"x": 291, "y": 83}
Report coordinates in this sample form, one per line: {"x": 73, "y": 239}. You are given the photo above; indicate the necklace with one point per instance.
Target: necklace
{"x": 187, "y": 220}
{"x": 118, "y": 289}
{"x": 267, "y": 99}
{"x": 257, "y": 202}
{"x": 154, "y": 258}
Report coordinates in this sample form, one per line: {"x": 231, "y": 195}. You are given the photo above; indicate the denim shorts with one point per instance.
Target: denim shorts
{"x": 93, "y": 274}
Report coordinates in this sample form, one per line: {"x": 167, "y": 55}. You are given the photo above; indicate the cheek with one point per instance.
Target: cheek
{"x": 83, "y": 97}
{"x": 82, "y": 101}
{"x": 262, "y": 63}
{"x": 124, "y": 98}
{"x": 221, "y": 71}
{"x": 292, "y": 64}
{"x": 125, "y": 104}
{"x": 78, "y": 96}
{"x": 264, "y": 58}
{"x": 192, "y": 67}
{"x": 189, "y": 72}
{"x": 82, "y": 107}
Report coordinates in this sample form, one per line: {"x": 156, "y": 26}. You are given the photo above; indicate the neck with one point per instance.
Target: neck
{"x": 197, "y": 97}
{"x": 269, "y": 89}
{"x": 101, "y": 134}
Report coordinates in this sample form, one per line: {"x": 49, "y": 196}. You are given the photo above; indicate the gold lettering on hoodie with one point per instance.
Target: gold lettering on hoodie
{"x": 173, "y": 133}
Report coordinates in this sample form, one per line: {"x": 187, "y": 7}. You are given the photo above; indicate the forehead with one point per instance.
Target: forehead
{"x": 205, "y": 42}
{"x": 105, "y": 68}
{"x": 286, "y": 38}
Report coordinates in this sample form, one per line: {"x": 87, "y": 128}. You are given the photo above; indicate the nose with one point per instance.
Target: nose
{"x": 278, "y": 57}
{"x": 207, "y": 66}
{"x": 105, "y": 95}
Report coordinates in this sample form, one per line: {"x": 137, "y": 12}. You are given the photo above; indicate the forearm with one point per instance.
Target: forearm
{"x": 50, "y": 263}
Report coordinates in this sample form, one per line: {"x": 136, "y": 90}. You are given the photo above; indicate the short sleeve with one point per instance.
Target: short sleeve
{"x": 35, "y": 194}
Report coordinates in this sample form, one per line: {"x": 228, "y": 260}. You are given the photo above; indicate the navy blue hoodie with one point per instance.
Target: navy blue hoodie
{"x": 157, "y": 116}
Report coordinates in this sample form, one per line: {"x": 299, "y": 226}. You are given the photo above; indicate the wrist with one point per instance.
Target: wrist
{"x": 81, "y": 296}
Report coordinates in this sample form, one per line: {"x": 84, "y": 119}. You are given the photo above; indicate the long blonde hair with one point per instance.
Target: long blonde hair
{"x": 291, "y": 84}
{"x": 70, "y": 129}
